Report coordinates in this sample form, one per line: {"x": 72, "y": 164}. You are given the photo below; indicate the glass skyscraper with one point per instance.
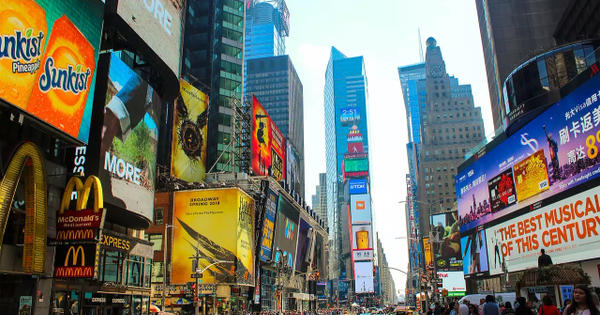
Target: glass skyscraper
{"x": 414, "y": 98}
{"x": 267, "y": 25}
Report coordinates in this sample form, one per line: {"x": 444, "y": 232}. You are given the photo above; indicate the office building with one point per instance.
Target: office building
{"x": 267, "y": 25}
{"x": 213, "y": 62}
{"x": 579, "y": 21}
{"x": 413, "y": 93}
{"x": 512, "y": 32}
{"x": 276, "y": 84}
{"x": 319, "y": 199}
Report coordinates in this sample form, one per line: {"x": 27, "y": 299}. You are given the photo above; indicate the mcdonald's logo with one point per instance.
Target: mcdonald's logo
{"x": 28, "y": 160}
{"x": 75, "y": 254}
{"x": 71, "y": 262}
{"x": 80, "y": 224}
{"x": 75, "y": 235}
{"x": 83, "y": 193}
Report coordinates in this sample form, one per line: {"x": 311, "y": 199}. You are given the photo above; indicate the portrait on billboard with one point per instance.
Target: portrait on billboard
{"x": 446, "y": 241}
{"x": 474, "y": 252}
{"x": 129, "y": 139}
{"x": 188, "y": 152}
{"x": 52, "y": 75}
{"x": 218, "y": 224}
{"x": 554, "y": 152}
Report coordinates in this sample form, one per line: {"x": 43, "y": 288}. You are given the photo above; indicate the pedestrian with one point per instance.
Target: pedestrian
{"x": 522, "y": 308}
{"x": 566, "y": 304}
{"x": 473, "y": 309}
{"x": 481, "y": 303}
{"x": 548, "y": 307}
{"x": 438, "y": 309}
{"x": 544, "y": 259}
{"x": 453, "y": 307}
{"x": 490, "y": 307}
{"x": 583, "y": 303}
{"x": 508, "y": 310}
{"x": 463, "y": 309}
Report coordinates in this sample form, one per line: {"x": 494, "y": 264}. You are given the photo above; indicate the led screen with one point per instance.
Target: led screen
{"x": 303, "y": 246}
{"x": 360, "y": 209}
{"x": 268, "y": 144}
{"x": 363, "y": 277}
{"x": 474, "y": 251}
{"x": 266, "y": 242}
{"x": 286, "y": 231}
{"x": 446, "y": 241}
{"x": 454, "y": 282}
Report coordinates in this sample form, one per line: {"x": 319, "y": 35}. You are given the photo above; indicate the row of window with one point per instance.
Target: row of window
{"x": 123, "y": 268}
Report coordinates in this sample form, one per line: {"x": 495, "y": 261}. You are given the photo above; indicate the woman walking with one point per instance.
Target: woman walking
{"x": 583, "y": 303}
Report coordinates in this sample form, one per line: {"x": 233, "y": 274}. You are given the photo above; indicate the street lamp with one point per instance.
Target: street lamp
{"x": 165, "y": 255}
{"x": 283, "y": 268}
{"x": 200, "y": 272}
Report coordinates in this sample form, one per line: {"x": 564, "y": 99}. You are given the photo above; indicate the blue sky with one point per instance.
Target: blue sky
{"x": 385, "y": 33}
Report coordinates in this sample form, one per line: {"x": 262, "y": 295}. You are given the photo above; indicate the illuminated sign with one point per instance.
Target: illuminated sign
{"x": 50, "y": 68}
{"x": 361, "y": 237}
{"x": 474, "y": 252}
{"x": 446, "y": 241}
{"x": 115, "y": 242}
{"x": 80, "y": 224}
{"x": 28, "y": 160}
{"x": 286, "y": 230}
{"x": 362, "y": 254}
{"x": 360, "y": 209}
{"x": 554, "y": 152}
{"x": 349, "y": 116}
{"x": 454, "y": 282}
{"x": 75, "y": 261}
{"x": 356, "y": 165}
{"x": 363, "y": 277}
{"x": 266, "y": 243}
{"x": 357, "y": 186}
{"x": 268, "y": 144}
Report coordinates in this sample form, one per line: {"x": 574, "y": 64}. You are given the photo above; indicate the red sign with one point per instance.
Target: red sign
{"x": 79, "y": 219}
{"x": 268, "y": 143}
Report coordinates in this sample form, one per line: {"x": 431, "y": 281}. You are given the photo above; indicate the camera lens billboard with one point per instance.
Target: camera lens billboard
{"x": 48, "y": 57}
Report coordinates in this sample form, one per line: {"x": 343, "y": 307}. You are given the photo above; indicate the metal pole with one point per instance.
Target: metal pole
{"x": 215, "y": 292}
{"x": 166, "y": 248}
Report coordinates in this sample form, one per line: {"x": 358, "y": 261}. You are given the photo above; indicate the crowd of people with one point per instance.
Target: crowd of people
{"x": 585, "y": 302}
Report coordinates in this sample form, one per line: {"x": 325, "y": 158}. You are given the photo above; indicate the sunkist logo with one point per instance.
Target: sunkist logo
{"x": 22, "y": 47}
{"x": 70, "y": 79}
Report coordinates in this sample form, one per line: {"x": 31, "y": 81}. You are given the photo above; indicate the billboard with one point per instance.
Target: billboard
{"x": 268, "y": 144}
{"x": 48, "y": 61}
{"x": 219, "y": 223}
{"x": 474, "y": 251}
{"x": 446, "y": 244}
{"x": 75, "y": 261}
{"x": 567, "y": 230}
{"x": 286, "y": 230}
{"x": 302, "y": 250}
{"x": 129, "y": 140}
{"x": 454, "y": 282}
{"x": 360, "y": 209}
{"x": 188, "y": 147}
{"x": 158, "y": 23}
{"x": 292, "y": 168}
{"x": 349, "y": 116}
{"x": 363, "y": 277}
{"x": 361, "y": 237}
{"x": 555, "y": 151}
{"x": 428, "y": 251}
{"x": 357, "y": 186}
{"x": 356, "y": 165}
{"x": 266, "y": 239}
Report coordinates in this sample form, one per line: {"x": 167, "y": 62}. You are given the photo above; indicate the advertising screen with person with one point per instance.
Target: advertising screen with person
{"x": 52, "y": 73}
{"x": 474, "y": 251}
{"x": 554, "y": 152}
{"x": 446, "y": 241}
{"x": 268, "y": 144}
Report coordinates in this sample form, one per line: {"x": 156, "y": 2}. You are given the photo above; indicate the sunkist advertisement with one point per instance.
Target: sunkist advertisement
{"x": 268, "y": 144}
{"x": 188, "y": 160}
{"x": 218, "y": 224}
{"x": 48, "y": 56}
{"x": 556, "y": 151}
{"x": 129, "y": 141}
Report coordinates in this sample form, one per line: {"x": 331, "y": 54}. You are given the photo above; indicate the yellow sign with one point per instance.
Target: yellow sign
{"x": 28, "y": 159}
{"x": 428, "y": 251}
{"x": 83, "y": 193}
{"x": 72, "y": 252}
{"x": 217, "y": 224}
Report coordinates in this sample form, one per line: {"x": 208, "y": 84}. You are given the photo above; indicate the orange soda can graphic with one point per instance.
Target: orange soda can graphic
{"x": 64, "y": 79}
{"x": 23, "y": 32}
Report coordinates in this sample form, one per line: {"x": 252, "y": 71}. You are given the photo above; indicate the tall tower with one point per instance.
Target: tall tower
{"x": 267, "y": 25}
{"x": 346, "y": 138}
{"x": 451, "y": 127}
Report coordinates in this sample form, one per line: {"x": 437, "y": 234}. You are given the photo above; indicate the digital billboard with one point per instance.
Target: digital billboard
{"x": 266, "y": 239}
{"x": 357, "y": 186}
{"x": 356, "y": 165}
{"x": 48, "y": 61}
{"x": 446, "y": 245}
{"x": 474, "y": 252}
{"x": 361, "y": 237}
{"x": 363, "y": 277}
{"x": 566, "y": 229}
{"x": 554, "y": 152}
{"x": 219, "y": 223}
{"x": 129, "y": 140}
{"x": 158, "y": 23}
{"x": 292, "y": 168}
{"x": 188, "y": 146}
{"x": 360, "y": 209}
{"x": 286, "y": 230}
{"x": 302, "y": 250}
{"x": 349, "y": 116}
{"x": 454, "y": 282}
{"x": 428, "y": 251}
{"x": 268, "y": 144}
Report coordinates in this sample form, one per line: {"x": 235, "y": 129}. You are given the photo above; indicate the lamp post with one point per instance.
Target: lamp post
{"x": 282, "y": 267}
{"x": 165, "y": 255}
{"x": 200, "y": 272}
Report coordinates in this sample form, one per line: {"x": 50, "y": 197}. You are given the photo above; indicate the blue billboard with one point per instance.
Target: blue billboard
{"x": 556, "y": 151}
{"x": 357, "y": 186}
{"x": 266, "y": 239}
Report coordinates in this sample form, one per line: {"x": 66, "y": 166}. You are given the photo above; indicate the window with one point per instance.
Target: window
{"x": 158, "y": 216}
{"x": 156, "y": 240}
{"x": 111, "y": 266}
{"x": 134, "y": 270}
{"x": 157, "y": 271}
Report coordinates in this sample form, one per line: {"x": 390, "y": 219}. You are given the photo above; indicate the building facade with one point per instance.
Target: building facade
{"x": 319, "y": 199}
{"x": 512, "y": 32}
{"x": 267, "y": 25}
{"x": 275, "y": 82}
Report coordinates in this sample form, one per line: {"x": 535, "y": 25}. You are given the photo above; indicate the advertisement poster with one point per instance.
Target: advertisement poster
{"x": 568, "y": 230}
{"x": 75, "y": 261}
{"x": 158, "y": 23}
{"x": 268, "y": 153}
{"x": 428, "y": 251}
{"x": 502, "y": 191}
{"x": 292, "y": 169}
{"x": 446, "y": 245}
{"x": 357, "y": 186}
{"x": 566, "y": 134}
{"x": 219, "y": 224}
{"x": 363, "y": 277}
{"x": 361, "y": 237}
{"x": 286, "y": 231}
{"x": 266, "y": 242}
{"x": 25, "y": 304}
{"x": 129, "y": 141}
{"x": 349, "y": 116}
{"x": 320, "y": 261}
{"x": 454, "y": 282}
{"x": 474, "y": 252}
{"x": 51, "y": 76}
{"x": 188, "y": 147}
{"x": 304, "y": 234}
{"x": 360, "y": 209}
